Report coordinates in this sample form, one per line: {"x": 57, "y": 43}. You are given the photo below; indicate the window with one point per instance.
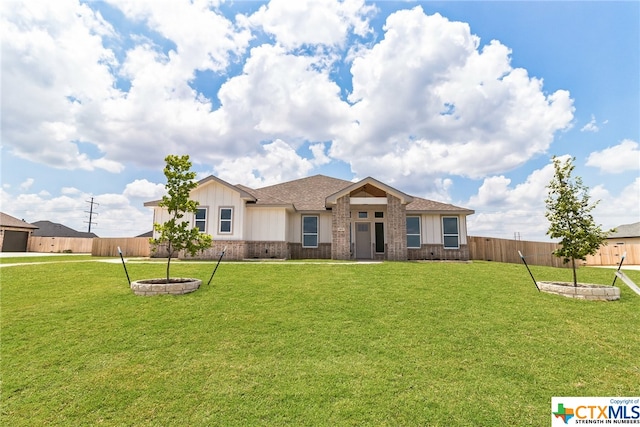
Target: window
{"x": 226, "y": 220}
{"x": 363, "y": 215}
{"x": 413, "y": 231}
{"x": 201, "y": 220}
{"x": 379, "y": 214}
{"x": 450, "y": 232}
{"x": 309, "y": 231}
{"x": 379, "y": 237}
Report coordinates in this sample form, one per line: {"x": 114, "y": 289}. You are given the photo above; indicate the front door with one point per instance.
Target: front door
{"x": 363, "y": 240}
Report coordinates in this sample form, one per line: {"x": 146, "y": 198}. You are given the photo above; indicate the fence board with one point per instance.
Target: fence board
{"x": 480, "y": 248}
{"x": 611, "y": 254}
{"x": 540, "y": 253}
{"x": 76, "y": 245}
{"x": 504, "y": 250}
{"x": 130, "y": 246}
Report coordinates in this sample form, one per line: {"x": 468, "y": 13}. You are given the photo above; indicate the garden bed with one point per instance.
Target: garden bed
{"x": 582, "y": 291}
{"x": 176, "y": 286}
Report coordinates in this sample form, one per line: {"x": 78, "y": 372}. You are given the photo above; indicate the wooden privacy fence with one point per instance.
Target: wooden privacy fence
{"x": 480, "y": 248}
{"x": 505, "y": 250}
{"x": 611, "y": 254}
{"x": 60, "y": 244}
{"x": 130, "y": 246}
{"x": 541, "y": 253}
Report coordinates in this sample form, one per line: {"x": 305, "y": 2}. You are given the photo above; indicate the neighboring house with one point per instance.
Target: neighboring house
{"x": 625, "y": 234}
{"x": 14, "y": 233}
{"x": 53, "y": 229}
{"x": 324, "y": 217}
{"x": 625, "y": 240}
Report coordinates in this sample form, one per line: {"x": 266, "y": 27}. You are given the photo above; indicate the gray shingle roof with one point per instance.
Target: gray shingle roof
{"x": 626, "y": 230}
{"x": 419, "y": 205}
{"x": 53, "y": 229}
{"x": 309, "y": 194}
{"x": 9, "y": 221}
{"x": 305, "y": 194}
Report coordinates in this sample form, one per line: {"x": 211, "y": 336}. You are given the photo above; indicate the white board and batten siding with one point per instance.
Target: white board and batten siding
{"x": 431, "y": 229}
{"x": 295, "y": 227}
{"x": 214, "y": 196}
{"x": 266, "y": 224}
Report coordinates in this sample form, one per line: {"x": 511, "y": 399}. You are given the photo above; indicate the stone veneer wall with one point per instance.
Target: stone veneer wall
{"x": 279, "y": 250}
{"x": 236, "y": 250}
{"x": 396, "y": 229}
{"x": 323, "y": 251}
{"x": 340, "y": 248}
{"x": 159, "y": 251}
{"x": 438, "y": 252}
{"x": 239, "y": 250}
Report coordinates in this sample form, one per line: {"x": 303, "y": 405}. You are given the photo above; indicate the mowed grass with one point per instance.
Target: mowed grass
{"x": 440, "y": 344}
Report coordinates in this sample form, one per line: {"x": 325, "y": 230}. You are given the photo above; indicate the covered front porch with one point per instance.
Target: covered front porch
{"x": 369, "y": 222}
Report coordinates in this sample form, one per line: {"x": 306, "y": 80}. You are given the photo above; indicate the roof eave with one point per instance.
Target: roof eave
{"x": 288, "y": 206}
{"x": 332, "y": 199}
{"x": 243, "y": 194}
{"x": 441, "y": 211}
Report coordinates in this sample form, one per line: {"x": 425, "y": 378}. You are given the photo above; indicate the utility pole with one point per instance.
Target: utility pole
{"x": 91, "y": 213}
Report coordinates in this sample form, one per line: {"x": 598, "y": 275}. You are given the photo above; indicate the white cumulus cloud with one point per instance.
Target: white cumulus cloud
{"x": 618, "y": 158}
{"x": 591, "y": 126}
{"x": 144, "y": 189}
{"x": 329, "y": 24}
{"x": 429, "y": 101}
{"x": 27, "y": 184}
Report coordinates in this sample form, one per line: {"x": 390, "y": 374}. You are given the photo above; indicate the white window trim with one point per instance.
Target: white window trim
{"x": 450, "y": 234}
{"x": 317, "y": 233}
{"x": 206, "y": 218}
{"x": 419, "y": 232}
{"x": 220, "y": 220}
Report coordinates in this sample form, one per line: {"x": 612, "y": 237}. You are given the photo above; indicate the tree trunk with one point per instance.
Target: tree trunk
{"x": 168, "y": 262}
{"x": 575, "y": 277}
{"x": 170, "y": 250}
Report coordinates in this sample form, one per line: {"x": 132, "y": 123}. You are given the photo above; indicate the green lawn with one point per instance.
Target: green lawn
{"x": 442, "y": 344}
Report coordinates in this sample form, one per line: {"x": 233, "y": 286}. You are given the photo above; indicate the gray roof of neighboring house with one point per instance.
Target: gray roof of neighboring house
{"x": 626, "y": 230}
{"x": 52, "y": 229}
{"x": 9, "y": 221}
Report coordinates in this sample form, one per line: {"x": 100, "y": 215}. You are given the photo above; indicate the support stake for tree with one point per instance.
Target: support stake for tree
{"x": 124, "y": 265}
{"x": 615, "y": 276}
{"x": 530, "y": 274}
{"x": 219, "y": 259}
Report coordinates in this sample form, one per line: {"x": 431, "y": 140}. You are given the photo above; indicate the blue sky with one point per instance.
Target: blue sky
{"x": 460, "y": 102}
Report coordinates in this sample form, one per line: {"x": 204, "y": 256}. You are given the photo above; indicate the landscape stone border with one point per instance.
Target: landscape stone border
{"x": 584, "y": 291}
{"x": 178, "y": 286}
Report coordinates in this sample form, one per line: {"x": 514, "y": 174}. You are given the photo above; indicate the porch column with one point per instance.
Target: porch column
{"x": 396, "y": 229}
{"x": 340, "y": 245}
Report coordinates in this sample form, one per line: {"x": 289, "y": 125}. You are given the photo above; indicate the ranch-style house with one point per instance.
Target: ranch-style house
{"x": 323, "y": 217}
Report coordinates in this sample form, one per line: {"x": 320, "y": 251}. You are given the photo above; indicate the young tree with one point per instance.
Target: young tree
{"x": 569, "y": 215}
{"x": 176, "y": 233}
